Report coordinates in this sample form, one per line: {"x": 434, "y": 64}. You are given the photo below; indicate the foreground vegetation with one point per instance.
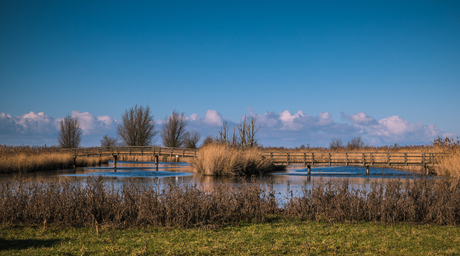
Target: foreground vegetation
{"x": 276, "y": 237}
{"x": 31, "y": 159}
{"x": 95, "y": 202}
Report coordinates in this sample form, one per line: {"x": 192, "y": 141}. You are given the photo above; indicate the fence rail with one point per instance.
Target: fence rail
{"x": 132, "y": 151}
{"x": 367, "y": 159}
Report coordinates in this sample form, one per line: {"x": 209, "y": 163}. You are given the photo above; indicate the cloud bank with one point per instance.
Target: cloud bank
{"x": 277, "y": 129}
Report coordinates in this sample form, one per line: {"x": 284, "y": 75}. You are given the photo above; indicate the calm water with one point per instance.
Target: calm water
{"x": 294, "y": 178}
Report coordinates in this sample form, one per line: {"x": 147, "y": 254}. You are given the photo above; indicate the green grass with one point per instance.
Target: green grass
{"x": 279, "y": 237}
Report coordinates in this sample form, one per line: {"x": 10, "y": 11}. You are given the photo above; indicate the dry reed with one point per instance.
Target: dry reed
{"x": 432, "y": 201}
{"x": 221, "y": 160}
{"x": 30, "y": 159}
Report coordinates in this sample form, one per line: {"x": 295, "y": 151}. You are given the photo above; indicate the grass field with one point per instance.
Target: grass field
{"x": 275, "y": 238}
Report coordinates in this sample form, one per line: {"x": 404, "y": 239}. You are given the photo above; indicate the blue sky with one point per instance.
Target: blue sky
{"x": 388, "y": 71}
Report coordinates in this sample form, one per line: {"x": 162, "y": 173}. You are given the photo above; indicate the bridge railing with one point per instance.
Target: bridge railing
{"x": 132, "y": 150}
{"x": 355, "y": 158}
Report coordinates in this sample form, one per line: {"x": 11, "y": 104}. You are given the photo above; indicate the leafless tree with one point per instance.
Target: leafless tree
{"x": 336, "y": 143}
{"x": 173, "y": 132}
{"x": 70, "y": 132}
{"x": 191, "y": 139}
{"x": 225, "y": 137}
{"x": 208, "y": 140}
{"x": 107, "y": 141}
{"x": 138, "y": 127}
{"x": 355, "y": 143}
{"x": 248, "y": 132}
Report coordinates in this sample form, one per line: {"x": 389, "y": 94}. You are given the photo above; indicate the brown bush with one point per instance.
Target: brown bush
{"x": 433, "y": 201}
{"x": 222, "y": 160}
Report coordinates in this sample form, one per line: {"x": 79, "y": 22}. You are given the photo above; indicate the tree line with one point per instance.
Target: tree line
{"x": 136, "y": 129}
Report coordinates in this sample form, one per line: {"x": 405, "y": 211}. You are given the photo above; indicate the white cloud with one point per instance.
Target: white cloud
{"x": 213, "y": 118}
{"x": 39, "y": 128}
{"x": 277, "y": 129}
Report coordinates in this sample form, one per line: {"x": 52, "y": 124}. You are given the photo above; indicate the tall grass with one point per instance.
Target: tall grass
{"x": 30, "y": 159}
{"x": 221, "y": 160}
{"x": 60, "y": 202}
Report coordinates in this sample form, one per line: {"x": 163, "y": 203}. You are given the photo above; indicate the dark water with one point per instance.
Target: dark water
{"x": 293, "y": 179}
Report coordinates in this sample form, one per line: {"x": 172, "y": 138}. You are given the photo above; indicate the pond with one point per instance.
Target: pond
{"x": 292, "y": 179}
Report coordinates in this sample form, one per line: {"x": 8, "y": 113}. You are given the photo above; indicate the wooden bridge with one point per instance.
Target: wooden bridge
{"x": 365, "y": 159}
{"x": 308, "y": 159}
{"x": 132, "y": 151}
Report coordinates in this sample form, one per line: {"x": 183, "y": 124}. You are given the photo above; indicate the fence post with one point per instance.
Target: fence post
{"x": 372, "y": 159}
{"x": 364, "y": 160}
{"x": 304, "y": 158}
{"x": 271, "y": 156}
{"x": 329, "y": 159}
{"x": 346, "y": 159}
{"x": 388, "y": 159}
{"x": 405, "y": 159}
{"x": 312, "y": 158}
{"x": 287, "y": 155}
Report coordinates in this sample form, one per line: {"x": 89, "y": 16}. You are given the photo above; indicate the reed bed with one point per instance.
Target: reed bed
{"x": 223, "y": 160}
{"x": 96, "y": 202}
{"x": 30, "y": 159}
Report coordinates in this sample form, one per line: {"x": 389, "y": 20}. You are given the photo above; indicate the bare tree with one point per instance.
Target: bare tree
{"x": 355, "y": 143}
{"x": 138, "y": 127}
{"x": 248, "y": 132}
{"x": 191, "y": 139}
{"x": 336, "y": 143}
{"x": 70, "y": 132}
{"x": 208, "y": 140}
{"x": 225, "y": 137}
{"x": 107, "y": 141}
{"x": 173, "y": 132}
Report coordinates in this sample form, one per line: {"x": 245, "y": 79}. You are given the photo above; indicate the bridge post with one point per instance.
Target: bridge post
{"x": 312, "y": 158}
{"x": 372, "y": 160}
{"x": 388, "y": 159}
{"x": 308, "y": 169}
{"x": 171, "y": 152}
{"x": 156, "y": 162}
{"x": 329, "y": 159}
{"x": 364, "y": 160}
{"x": 367, "y": 169}
{"x": 115, "y": 161}
{"x": 346, "y": 159}
{"x": 287, "y": 156}
{"x": 304, "y": 158}
{"x": 424, "y": 164}
{"x": 183, "y": 153}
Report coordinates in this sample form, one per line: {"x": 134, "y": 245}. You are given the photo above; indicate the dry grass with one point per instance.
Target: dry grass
{"x": 30, "y": 159}
{"x": 97, "y": 202}
{"x": 221, "y": 160}
{"x": 449, "y": 166}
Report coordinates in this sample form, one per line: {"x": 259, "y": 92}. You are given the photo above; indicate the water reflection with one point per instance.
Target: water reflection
{"x": 294, "y": 179}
